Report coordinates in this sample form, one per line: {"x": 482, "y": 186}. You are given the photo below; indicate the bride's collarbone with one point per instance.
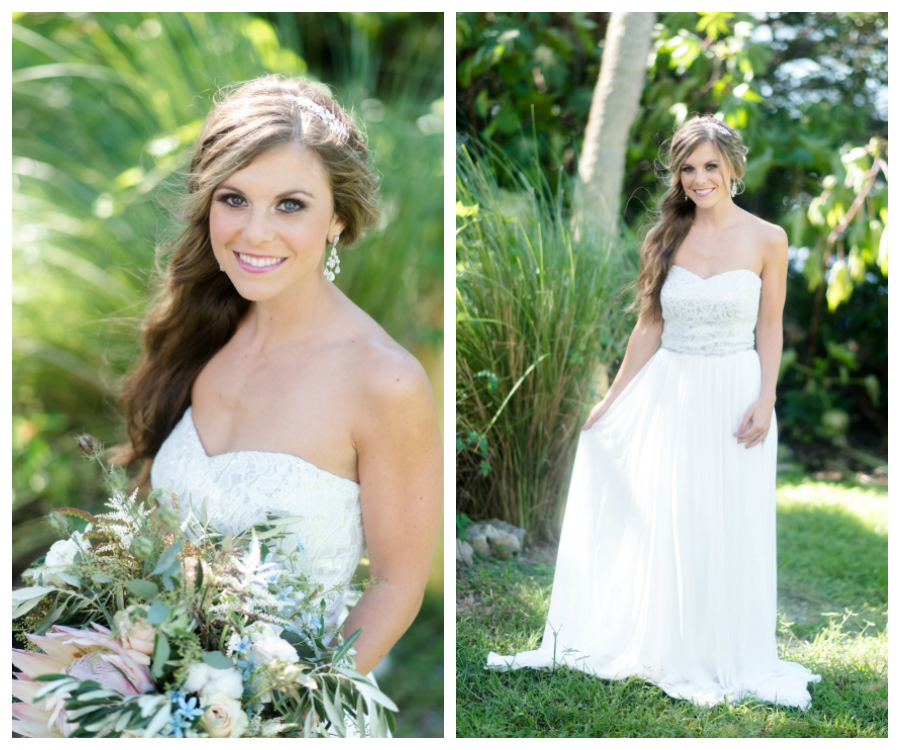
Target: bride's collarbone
{"x": 309, "y": 418}
{"x": 738, "y": 247}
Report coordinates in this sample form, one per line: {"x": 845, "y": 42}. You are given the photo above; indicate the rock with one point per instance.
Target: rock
{"x": 463, "y": 552}
{"x": 496, "y": 537}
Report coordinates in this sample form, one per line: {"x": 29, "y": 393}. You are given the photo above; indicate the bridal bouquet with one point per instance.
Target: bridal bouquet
{"x": 205, "y": 635}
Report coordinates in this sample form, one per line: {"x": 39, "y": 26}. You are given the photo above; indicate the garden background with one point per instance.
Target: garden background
{"x": 541, "y": 331}
{"x": 105, "y": 109}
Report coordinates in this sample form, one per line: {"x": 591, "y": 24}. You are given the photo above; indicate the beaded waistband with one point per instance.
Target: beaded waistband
{"x": 709, "y": 353}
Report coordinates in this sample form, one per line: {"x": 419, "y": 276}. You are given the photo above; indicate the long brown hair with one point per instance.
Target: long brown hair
{"x": 196, "y": 309}
{"x": 675, "y": 212}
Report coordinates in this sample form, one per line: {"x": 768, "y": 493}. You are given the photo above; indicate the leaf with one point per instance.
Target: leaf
{"x": 361, "y": 715}
{"x": 159, "y": 720}
{"x": 26, "y": 599}
{"x": 168, "y": 557}
{"x": 374, "y": 694}
{"x": 217, "y": 660}
{"x": 333, "y": 714}
{"x": 159, "y": 612}
{"x": 145, "y": 590}
{"x": 346, "y": 645}
{"x": 70, "y": 579}
{"x": 161, "y": 652}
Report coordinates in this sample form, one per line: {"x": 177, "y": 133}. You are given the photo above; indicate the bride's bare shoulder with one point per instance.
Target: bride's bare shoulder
{"x": 764, "y": 229}
{"x": 380, "y": 371}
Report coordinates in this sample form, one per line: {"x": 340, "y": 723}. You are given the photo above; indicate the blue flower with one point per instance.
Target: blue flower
{"x": 243, "y": 645}
{"x": 185, "y": 712}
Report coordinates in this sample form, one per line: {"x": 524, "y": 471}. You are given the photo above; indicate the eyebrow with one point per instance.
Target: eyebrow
{"x": 711, "y": 161}
{"x": 286, "y": 194}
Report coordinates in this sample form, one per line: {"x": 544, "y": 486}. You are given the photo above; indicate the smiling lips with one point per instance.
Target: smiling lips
{"x": 257, "y": 263}
{"x": 703, "y": 193}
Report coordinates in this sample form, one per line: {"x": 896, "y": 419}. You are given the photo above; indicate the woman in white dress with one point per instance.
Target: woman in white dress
{"x": 262, "y": 387}
{"x": 666, "y": 566}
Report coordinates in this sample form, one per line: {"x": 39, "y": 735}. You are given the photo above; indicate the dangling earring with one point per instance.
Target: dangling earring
{"x": 685, "y": 196}
{"x": 333, "y": 264}
{"x": 221, "y": 267}
{"x": 733, "y": 188}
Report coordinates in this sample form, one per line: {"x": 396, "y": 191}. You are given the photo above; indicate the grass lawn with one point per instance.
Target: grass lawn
{"x": 832, "y": 590}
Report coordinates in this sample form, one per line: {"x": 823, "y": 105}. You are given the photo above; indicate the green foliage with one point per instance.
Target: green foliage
{"x": 105, "y": 109}
{"x": 462, "y": 520}
{"x": 806, "y": 90}
{"x": 536, "y": 309}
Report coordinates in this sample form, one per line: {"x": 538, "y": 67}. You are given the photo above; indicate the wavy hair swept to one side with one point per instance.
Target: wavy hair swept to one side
{"x": 196, "y": 309}
{"x": 674, "y": 214}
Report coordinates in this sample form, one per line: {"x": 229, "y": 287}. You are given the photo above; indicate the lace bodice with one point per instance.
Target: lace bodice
{"x": 240, "y": 487}
{"x": 713, "y": 316}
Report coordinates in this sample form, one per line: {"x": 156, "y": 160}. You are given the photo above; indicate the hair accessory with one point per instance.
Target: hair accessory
{"x": 333, "y": 264}
{"x": 323, "y": 114}
{"x": 721, "y": 128}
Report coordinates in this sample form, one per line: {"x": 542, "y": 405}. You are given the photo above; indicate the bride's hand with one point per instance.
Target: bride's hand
{"x": 755, "y": 424}
{"x": 596, "y": 413}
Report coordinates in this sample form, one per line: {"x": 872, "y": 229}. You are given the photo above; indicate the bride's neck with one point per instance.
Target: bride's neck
{"x": 715, "y": 217}
{"x": 289, "y": 317}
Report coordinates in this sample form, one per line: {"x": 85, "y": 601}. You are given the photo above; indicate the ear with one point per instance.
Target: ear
{"x": 337, "y": 227}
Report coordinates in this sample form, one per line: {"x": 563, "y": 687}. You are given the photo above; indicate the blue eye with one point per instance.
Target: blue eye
{"x": 224, "y": 199}
{"x": 293, "y": 206}
{"x": 227, "y": 199}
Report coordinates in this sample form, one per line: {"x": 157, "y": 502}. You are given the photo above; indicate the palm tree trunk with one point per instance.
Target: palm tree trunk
{"x": 614, "y": 107}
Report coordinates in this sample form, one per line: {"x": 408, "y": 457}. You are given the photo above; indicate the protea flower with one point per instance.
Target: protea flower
{"x": 86, "y": 654}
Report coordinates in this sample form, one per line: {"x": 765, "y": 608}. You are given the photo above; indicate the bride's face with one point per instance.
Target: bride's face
{"x": 705, "y": 177}
{"x": 270, "y": 221}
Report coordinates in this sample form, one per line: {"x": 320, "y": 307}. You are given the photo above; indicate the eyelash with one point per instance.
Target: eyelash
{"x": 225, "y": 199}
{"x": 688, "y": 169}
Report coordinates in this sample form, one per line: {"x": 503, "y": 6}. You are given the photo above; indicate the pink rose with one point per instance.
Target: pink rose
{"x": 136, "y": 634}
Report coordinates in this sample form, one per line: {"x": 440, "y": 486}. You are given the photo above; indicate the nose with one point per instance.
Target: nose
{"x": 257, "y": 230}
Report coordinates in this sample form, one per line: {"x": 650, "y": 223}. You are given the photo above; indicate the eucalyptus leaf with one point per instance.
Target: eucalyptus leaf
{"x": 145, "y": 590}
{"x": 168, "y": 557}
{"x": 161, "y": 652}
{"x": 158, "y": 612}
{"x": 217, "y": 660}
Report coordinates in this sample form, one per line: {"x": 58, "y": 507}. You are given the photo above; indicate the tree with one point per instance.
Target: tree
{"x": 613, "y": 109}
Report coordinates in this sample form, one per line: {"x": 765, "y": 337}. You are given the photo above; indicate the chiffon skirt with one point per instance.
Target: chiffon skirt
{"x": 666, "y": 565}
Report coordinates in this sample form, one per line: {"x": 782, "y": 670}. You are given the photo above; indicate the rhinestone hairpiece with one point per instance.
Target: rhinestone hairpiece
{"x": 722, "y": 129}
{"x": 323, "y": 114}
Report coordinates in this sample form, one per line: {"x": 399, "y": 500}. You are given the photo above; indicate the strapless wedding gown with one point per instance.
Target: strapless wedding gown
{"x": 240, "y": 487}
{"x": 666, "y": 564}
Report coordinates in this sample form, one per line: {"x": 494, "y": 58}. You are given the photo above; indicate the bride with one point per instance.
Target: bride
{"x": 666, "y": 566}
{"x": 261, "y": 387}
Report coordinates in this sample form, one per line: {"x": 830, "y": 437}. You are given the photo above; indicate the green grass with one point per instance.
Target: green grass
{"x": 832, "y": 558}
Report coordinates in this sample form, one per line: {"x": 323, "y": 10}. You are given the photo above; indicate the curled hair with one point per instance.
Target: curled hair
{"x": 674, "y": 214}
{"x": 196, "y": 308}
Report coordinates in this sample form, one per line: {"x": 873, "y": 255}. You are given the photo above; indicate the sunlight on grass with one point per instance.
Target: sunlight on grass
{"x": 832, "y": 576}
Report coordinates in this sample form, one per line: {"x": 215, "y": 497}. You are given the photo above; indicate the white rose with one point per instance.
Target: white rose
{"x": 207, "y": 680}
{"x": 260, "y": 629}
{"x": 224, "y": 716}
{"x": 55, "y": 571}
{"x": 62, "y": 553}
{"x": 271, "y": 648}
